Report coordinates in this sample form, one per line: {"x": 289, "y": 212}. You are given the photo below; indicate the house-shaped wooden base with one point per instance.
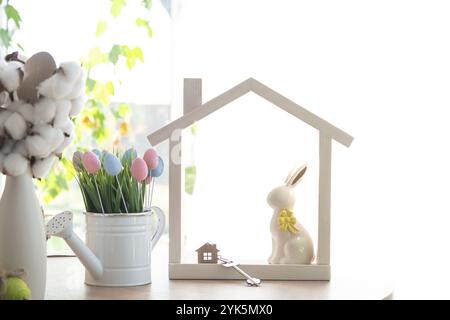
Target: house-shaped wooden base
{"x": 195, "y": 110}
{"x": 261, "y": 271}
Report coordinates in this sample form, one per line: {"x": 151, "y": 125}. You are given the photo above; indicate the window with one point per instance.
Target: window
{"x": 146, "y": 89}
{"x": 207, "y": 256}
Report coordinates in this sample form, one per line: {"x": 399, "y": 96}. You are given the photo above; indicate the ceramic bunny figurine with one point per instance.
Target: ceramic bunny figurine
{"x": 291, "y": 243}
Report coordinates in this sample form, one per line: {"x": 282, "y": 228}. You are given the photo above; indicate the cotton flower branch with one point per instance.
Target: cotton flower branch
{"x": 37, "y": 103}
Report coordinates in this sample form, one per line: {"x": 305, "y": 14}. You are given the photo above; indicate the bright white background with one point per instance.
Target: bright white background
{"x": 380, "y": 70}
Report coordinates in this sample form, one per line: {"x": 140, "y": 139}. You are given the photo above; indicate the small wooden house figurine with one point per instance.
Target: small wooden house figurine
{"x": 195, "y": 110}
{"x": 207, "y": 253}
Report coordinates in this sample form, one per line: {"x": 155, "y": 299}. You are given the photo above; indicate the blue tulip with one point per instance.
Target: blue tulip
{"x": 129, "y": 156}
{"x": 158, "y": 171}
{"x": 112, "y": 164}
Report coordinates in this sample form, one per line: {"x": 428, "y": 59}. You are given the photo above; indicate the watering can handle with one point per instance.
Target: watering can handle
{"x": 161, "y": 224}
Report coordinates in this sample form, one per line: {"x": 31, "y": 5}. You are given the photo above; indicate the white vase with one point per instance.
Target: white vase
{"x": 22, "y": 236}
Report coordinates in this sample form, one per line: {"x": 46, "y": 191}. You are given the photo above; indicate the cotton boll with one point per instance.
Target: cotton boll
{"x": 41, "y": 167}
{"x": 68, "y": 137}
{"x": 53, "y": 136}
{"x": 46, "y": 131}
{"x": 55, "y": 87}
{"x": 7, "y": 146}
{"x": 77, "y": 105}
{"x": 4, "y": 115}
{"x": 11, "y": 76}
{"x": 15, "y": 164}
{"x": 77, "y": 88}
{"x": 27, "y": 111}
{"x": 13, "y": 64}
{"x": 71, "y": 70}
{"x": 37, "y": 146}
{"x": 22, "y": 57}
{"x": 13, "y": 106}
{"x": 68, "y": 128}
{"x": 57, "y": 140}
{"x": 62, "y": 113}
{"x": 44, "y": 111}
{"x": 67, "y": 141}
{"x": 2, "y": 160}
{"x": 3, "y": 64}
{"x": 20, "y": 148}
{"x": 4, "y": 98}
{"x": 15, "y": 126}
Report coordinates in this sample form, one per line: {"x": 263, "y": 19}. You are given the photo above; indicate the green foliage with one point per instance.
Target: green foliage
{"x": 102, "y": 26}
{"x": 13, "y": 14}
{"x": 116, "y": 7}
{"x": 108, "y": 187}
{"x": 194, "y": 129}
{"x": 190, "y": 174}
{"x": 96, "y": 125}
{"x": 7, "y": 30}
{"x": 5, "y": 37}
{"x": 144, "y": 23}
{"x": 130, "y": 55}
{"x": 114, "y": 54}
{"x": 97, "y": 121}
{"x": 147, "y": 4}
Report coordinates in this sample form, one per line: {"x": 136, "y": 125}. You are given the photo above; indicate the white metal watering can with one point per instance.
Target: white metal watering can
{"x": 118, "y": 246}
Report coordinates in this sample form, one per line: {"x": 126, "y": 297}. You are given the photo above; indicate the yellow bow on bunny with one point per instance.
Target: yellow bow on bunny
{"x": 287, "y": 221}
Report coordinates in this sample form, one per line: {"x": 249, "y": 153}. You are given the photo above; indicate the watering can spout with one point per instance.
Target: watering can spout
{"x": 61, "y": 226}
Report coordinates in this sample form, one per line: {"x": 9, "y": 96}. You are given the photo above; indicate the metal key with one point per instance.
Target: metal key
{"x": 251, "y": 281}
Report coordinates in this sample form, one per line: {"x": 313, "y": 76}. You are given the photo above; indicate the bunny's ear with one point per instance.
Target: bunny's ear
{"x": 296, "y": 176}
{"x": 289, "y": 177}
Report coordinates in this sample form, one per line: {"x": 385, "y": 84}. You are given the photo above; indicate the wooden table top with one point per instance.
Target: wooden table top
{"x": 65, "y": 280}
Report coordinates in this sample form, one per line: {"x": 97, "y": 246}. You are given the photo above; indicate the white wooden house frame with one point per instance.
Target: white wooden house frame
{"x": 194, "y": 110}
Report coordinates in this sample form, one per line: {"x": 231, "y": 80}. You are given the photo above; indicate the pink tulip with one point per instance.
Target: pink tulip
{"x": 139, "y": 169}
{"x": 151, "y": 158}
{"x": 91, "y": 162}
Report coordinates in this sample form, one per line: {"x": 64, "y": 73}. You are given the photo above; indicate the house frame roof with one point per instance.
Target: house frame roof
{"x": 263, "y": 91}
{"x": 209, "y": 246}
